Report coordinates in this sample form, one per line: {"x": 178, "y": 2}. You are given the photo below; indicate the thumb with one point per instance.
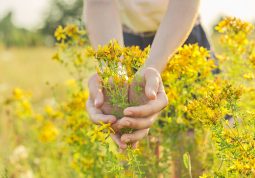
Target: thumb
{"x": 95, "y": 90}
{"x": 99, "y": 99}
{"x": 152, "y": 81}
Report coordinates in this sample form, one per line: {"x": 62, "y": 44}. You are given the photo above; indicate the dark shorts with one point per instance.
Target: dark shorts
{"x": 197, "y": 35}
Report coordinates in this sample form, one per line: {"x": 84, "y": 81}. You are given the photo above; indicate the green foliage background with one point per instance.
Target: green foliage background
{"x": 61, "y": 12}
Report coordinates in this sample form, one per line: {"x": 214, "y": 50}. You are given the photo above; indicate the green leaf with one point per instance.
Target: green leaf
{"x": 187, "y": 163}
{"x": 186, "y": 160}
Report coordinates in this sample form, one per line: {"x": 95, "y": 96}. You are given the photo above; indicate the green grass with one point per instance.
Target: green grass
{"x": 30, "y": 69}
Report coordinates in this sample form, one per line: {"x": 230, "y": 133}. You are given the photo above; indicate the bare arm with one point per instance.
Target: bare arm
{"x": 173, "y": 31}
{"x": 103, "y": 21}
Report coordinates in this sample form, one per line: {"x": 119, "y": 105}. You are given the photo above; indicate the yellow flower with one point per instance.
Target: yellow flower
{"x": 78, "y": 101}
{"x": 38, "y": 117}
{"x": 248, "y": 76}
{"x": 49, "y": 110}
{"x": 18, "y": 93}
{"x": 56, "y": 57}
{"x": 60, "y": 33}
{"x": 235, "y": 34}
{"x": 71, "y": 30}
{"x": 48, "y": 132}
{"x": 71, "y": 83}
{"x": 232, "y": 24}
{"x": 101, "y": 132}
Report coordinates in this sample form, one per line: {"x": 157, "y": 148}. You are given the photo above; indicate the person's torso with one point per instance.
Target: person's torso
{"x": 142, "y": 15}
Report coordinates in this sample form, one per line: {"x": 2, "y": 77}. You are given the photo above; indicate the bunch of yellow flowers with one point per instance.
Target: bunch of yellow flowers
{"x": 116, "y": 67}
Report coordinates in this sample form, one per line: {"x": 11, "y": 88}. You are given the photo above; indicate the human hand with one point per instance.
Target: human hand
{"x": 96, "y": 101}
{"x": 99, "y": 109}
{"x": 151, "y": 99}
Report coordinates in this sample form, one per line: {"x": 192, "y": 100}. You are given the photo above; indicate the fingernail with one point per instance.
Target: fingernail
{"x": 112, "y": 120}
{"x": 96, "y": 103}
{"x": 153, "y": 94}
{"x": 128, "y": 113}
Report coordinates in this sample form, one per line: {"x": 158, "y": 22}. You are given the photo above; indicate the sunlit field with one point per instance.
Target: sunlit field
{"x": 206, "y": 130}
{"x": 30, "y": 69}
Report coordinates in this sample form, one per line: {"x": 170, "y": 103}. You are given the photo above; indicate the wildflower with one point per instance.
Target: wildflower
{"x": 189, "y": 61}
{"x": 71, "y": 30}
{"x": 214, "y": 105}
{"x": 100, "y": 133}
{"x": 48, "y": 132}
{"x": 71, "y": 83}
{"x": 17, "y": 93}
{"x": 38, "y": 117}
{"x": 52, "y": 113}
{"x": 20, "y": 153}
{"x": 60, "y": 33}
{"x": 235, "y": 25}
{"x": 248, "y": 76}
{"x": 56, "y": 57}
{"x": 24, "y": 109}
{"x": 78, "y": 60}
{"x": 235, "y": 34}
{"x": 78, "y": 101}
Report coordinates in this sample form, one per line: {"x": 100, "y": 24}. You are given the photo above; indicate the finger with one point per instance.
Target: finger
{"x": 152, "y": 107}
{"x": 99, "y": 100}
{"x": 135, "y": 136}
{"x": 134, "y": 123}
{"x": 97, "y": 115}
{"x": 95, "y": 90}
{"x": 116, "y": 139}
{"x": 152, "y": 80}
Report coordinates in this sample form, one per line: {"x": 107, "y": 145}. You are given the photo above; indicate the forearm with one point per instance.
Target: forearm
{"x": 102, "y": 22}
{"x": 173, "y": 31}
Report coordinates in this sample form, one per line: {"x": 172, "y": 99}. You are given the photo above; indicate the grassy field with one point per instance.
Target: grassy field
{"x": 30, "y": 69}
{"x": 33, "y": 70}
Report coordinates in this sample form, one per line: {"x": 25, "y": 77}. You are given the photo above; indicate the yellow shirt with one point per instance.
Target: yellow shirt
{"x": 142, "y": 15}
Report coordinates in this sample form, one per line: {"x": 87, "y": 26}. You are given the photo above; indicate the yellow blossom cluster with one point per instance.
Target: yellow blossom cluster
{"x": 70, "y": 31}
{"x": 236, "y": 33}
{"x": 100, "y": 133}
{"x": 188, "y": 66}
{"x": 48, "y": 132}
{"x": 233, "y": 24}
{"x": 22, "y": 101}
{"x": 189, "y": 61}
{"x": 214, "y": 105}
{"x": 185, "y": 75}
{"x": 116, "y": 67}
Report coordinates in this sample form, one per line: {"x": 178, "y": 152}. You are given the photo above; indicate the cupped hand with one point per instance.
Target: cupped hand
{"x": 99, "y": 109}
{"x": 96, "y": 101}
{"x": 147, "y": 92}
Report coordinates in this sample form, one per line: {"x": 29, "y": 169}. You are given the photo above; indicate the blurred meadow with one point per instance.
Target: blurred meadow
{"x": 26, "y": 63}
